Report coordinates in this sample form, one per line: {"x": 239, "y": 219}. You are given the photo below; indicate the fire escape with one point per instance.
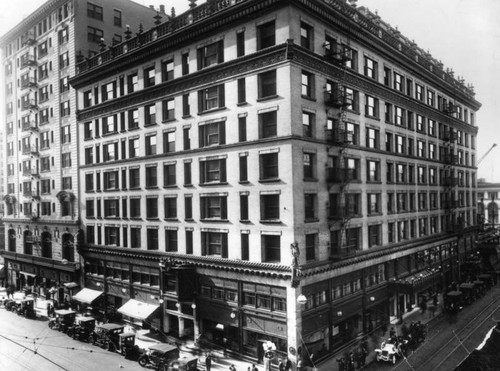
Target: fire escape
{"x": 30, "y": 132}
{"x": 450, "y": 171}
{"x": 338, "y": 138}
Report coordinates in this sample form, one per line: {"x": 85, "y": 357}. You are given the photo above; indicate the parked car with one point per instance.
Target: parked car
{"x": 184, "y": 364}
{"x": 82, "y": 328}
{"x": 63, "y": 320}
{"x": 26, "y": 308}
{"x": 112, "y": 336}
{"x": 13, "y": 303}
{"x": 159, "y": 356}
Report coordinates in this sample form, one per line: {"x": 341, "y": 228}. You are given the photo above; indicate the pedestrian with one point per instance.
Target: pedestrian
{"x": 208, "y": 362}
{"x": 232, "y": 368}
{"x": 254, "y": 368}
{"x": 288, "y": 364}
{"x": 281, "y": 365}
{"x": 299, "y": 365}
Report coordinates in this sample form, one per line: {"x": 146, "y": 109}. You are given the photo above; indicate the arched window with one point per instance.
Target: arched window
{"x": 46, "y": 243}
{"x": 9, "y": 204}
{"x": 68, "y": 247}
{"x": 66, "y": 199}
{"x": 12, "y": 240}
{"x": 28, "y": 242}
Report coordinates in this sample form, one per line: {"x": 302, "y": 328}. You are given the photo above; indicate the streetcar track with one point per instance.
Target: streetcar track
{"x": 457, "y": 336}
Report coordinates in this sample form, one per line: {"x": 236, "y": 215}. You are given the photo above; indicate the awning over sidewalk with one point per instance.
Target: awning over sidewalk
{"x": 417, "y": 281}
{"x": 87, "y": 296}
{"x": 137, "y": 309}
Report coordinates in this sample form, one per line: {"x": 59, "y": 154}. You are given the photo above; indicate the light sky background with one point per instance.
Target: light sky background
{"x": 463, "y": 34}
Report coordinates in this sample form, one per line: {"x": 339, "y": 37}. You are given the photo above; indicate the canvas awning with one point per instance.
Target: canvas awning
{"x": 87, "y": 296}
{"x": 137, "y": 309}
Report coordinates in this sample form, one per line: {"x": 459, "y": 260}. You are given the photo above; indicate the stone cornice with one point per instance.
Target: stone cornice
{"x": 246, "y": 267}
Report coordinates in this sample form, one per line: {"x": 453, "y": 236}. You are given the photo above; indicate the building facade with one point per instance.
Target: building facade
{"x": 288, "y": 171}
{"x": 40, "y": 177}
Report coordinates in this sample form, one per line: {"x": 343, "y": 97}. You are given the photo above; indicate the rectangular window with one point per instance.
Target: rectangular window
{"x": 169, "y": 176}
{"x": 268, "y": 124}
{"x": 213, "y": 207}
{"x": 307, "y": 124}
{"x": 212, "y": 134}
{"x": 149, "y": 76}
{"x": 270, "y": 207}
{"x": 214, "y": 244}
{"x": 211, "y": 54}
{"x": 170, "y": 205}
{"x": 150, "y": 145}
{"x": 269, "y": 168}
{"x": 150, "y": 115}
{"x": 132, "y": 82}
{"x": 94, "y": 11}
{"x": 240, "y": 43}
{"x": 371, "y": 106}
{"x": 167, "y": 70}
{"x": 211, "y": 98}
{"x": 151, "y": 177}
{"x": 242, "y": 96}
{"x": 169, "y": 142}
{"x": 151, "y": 208}
{"x": 271, "y": 248}
{"x": 307, "y": 85}
{"x": 306, "y": 36}
{"x": 243, "y": 207}
{"x": 94, "y": 35}
{"x": 309, "y": 166}
{"x": 371, "y": 68}
{"x": 213, "y": 171}
{"x": 266, "y": 35}
{"x": 171, "y": 240}
{"x": 117, "y": 17}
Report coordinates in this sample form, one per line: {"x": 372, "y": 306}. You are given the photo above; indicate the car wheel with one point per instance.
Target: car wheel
{"x": 51, "y": 325}
{"x": 91, "y": 340}
{"x": 70, "y": 333}
{"x": 143, "y": 361}
{"x": 111, "y": 347}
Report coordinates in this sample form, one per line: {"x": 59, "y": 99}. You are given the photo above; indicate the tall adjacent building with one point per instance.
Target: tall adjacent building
{"x": 39, "y": 133}
{"x": 295, "y": 172}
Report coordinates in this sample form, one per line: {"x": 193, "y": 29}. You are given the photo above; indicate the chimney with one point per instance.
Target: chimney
{"x": 152, "y": 7}
{"x": 162, "y": 9}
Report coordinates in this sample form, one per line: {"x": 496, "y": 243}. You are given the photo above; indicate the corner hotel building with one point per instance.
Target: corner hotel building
{"x": 245, "y": 153}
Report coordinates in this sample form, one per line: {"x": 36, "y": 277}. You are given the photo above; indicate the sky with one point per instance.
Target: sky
{"x": 463, "y": 34}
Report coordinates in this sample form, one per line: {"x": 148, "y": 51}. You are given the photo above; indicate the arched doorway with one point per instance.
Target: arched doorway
{"x": 68, "y": 247}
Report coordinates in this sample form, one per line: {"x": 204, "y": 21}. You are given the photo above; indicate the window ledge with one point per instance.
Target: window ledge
{"x": 270, "y": 97}
{"x": 270, "y": 221}
{"x": 310, "y": 180}
{"x": 201, "y": 113}
{"x": 209, "y": 220}
{"x": 308, "y": 98}
{"x": 168, "y": 121}
{"x": 212, "y": 184}
{"x": 171, "y": 219}
{"x": 151, "y": 187}
{"x": 244, "y": 182}
{"x": 188, "y": 185}
{"x": 170, "y": 186}
{"x": 186, "y": 116}
{"x": 273, "y": 180}
{"x": 311, "y": 220}
{"x": 240, "y": 104}
{"x": 135, "y": 218}
{"x": 153, "y": 218}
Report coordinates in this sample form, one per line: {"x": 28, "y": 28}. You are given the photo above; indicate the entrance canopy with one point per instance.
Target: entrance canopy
{"x": 87, "y": 296}
{"x": 137, "y": 309}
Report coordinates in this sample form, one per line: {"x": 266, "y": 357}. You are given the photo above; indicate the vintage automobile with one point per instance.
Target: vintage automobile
{"x": 82, "y": 328}
{"x": 63, "y": 320}
{"x": 388, "y": 352}
{"x": 13, "y": 303}
{"x": 111, "y": 336}
{"x": 159, "y": 356}
{"x": 184, "y": 364}
{"x": 453, "y": 302}
{"x": 26, "y": 308}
